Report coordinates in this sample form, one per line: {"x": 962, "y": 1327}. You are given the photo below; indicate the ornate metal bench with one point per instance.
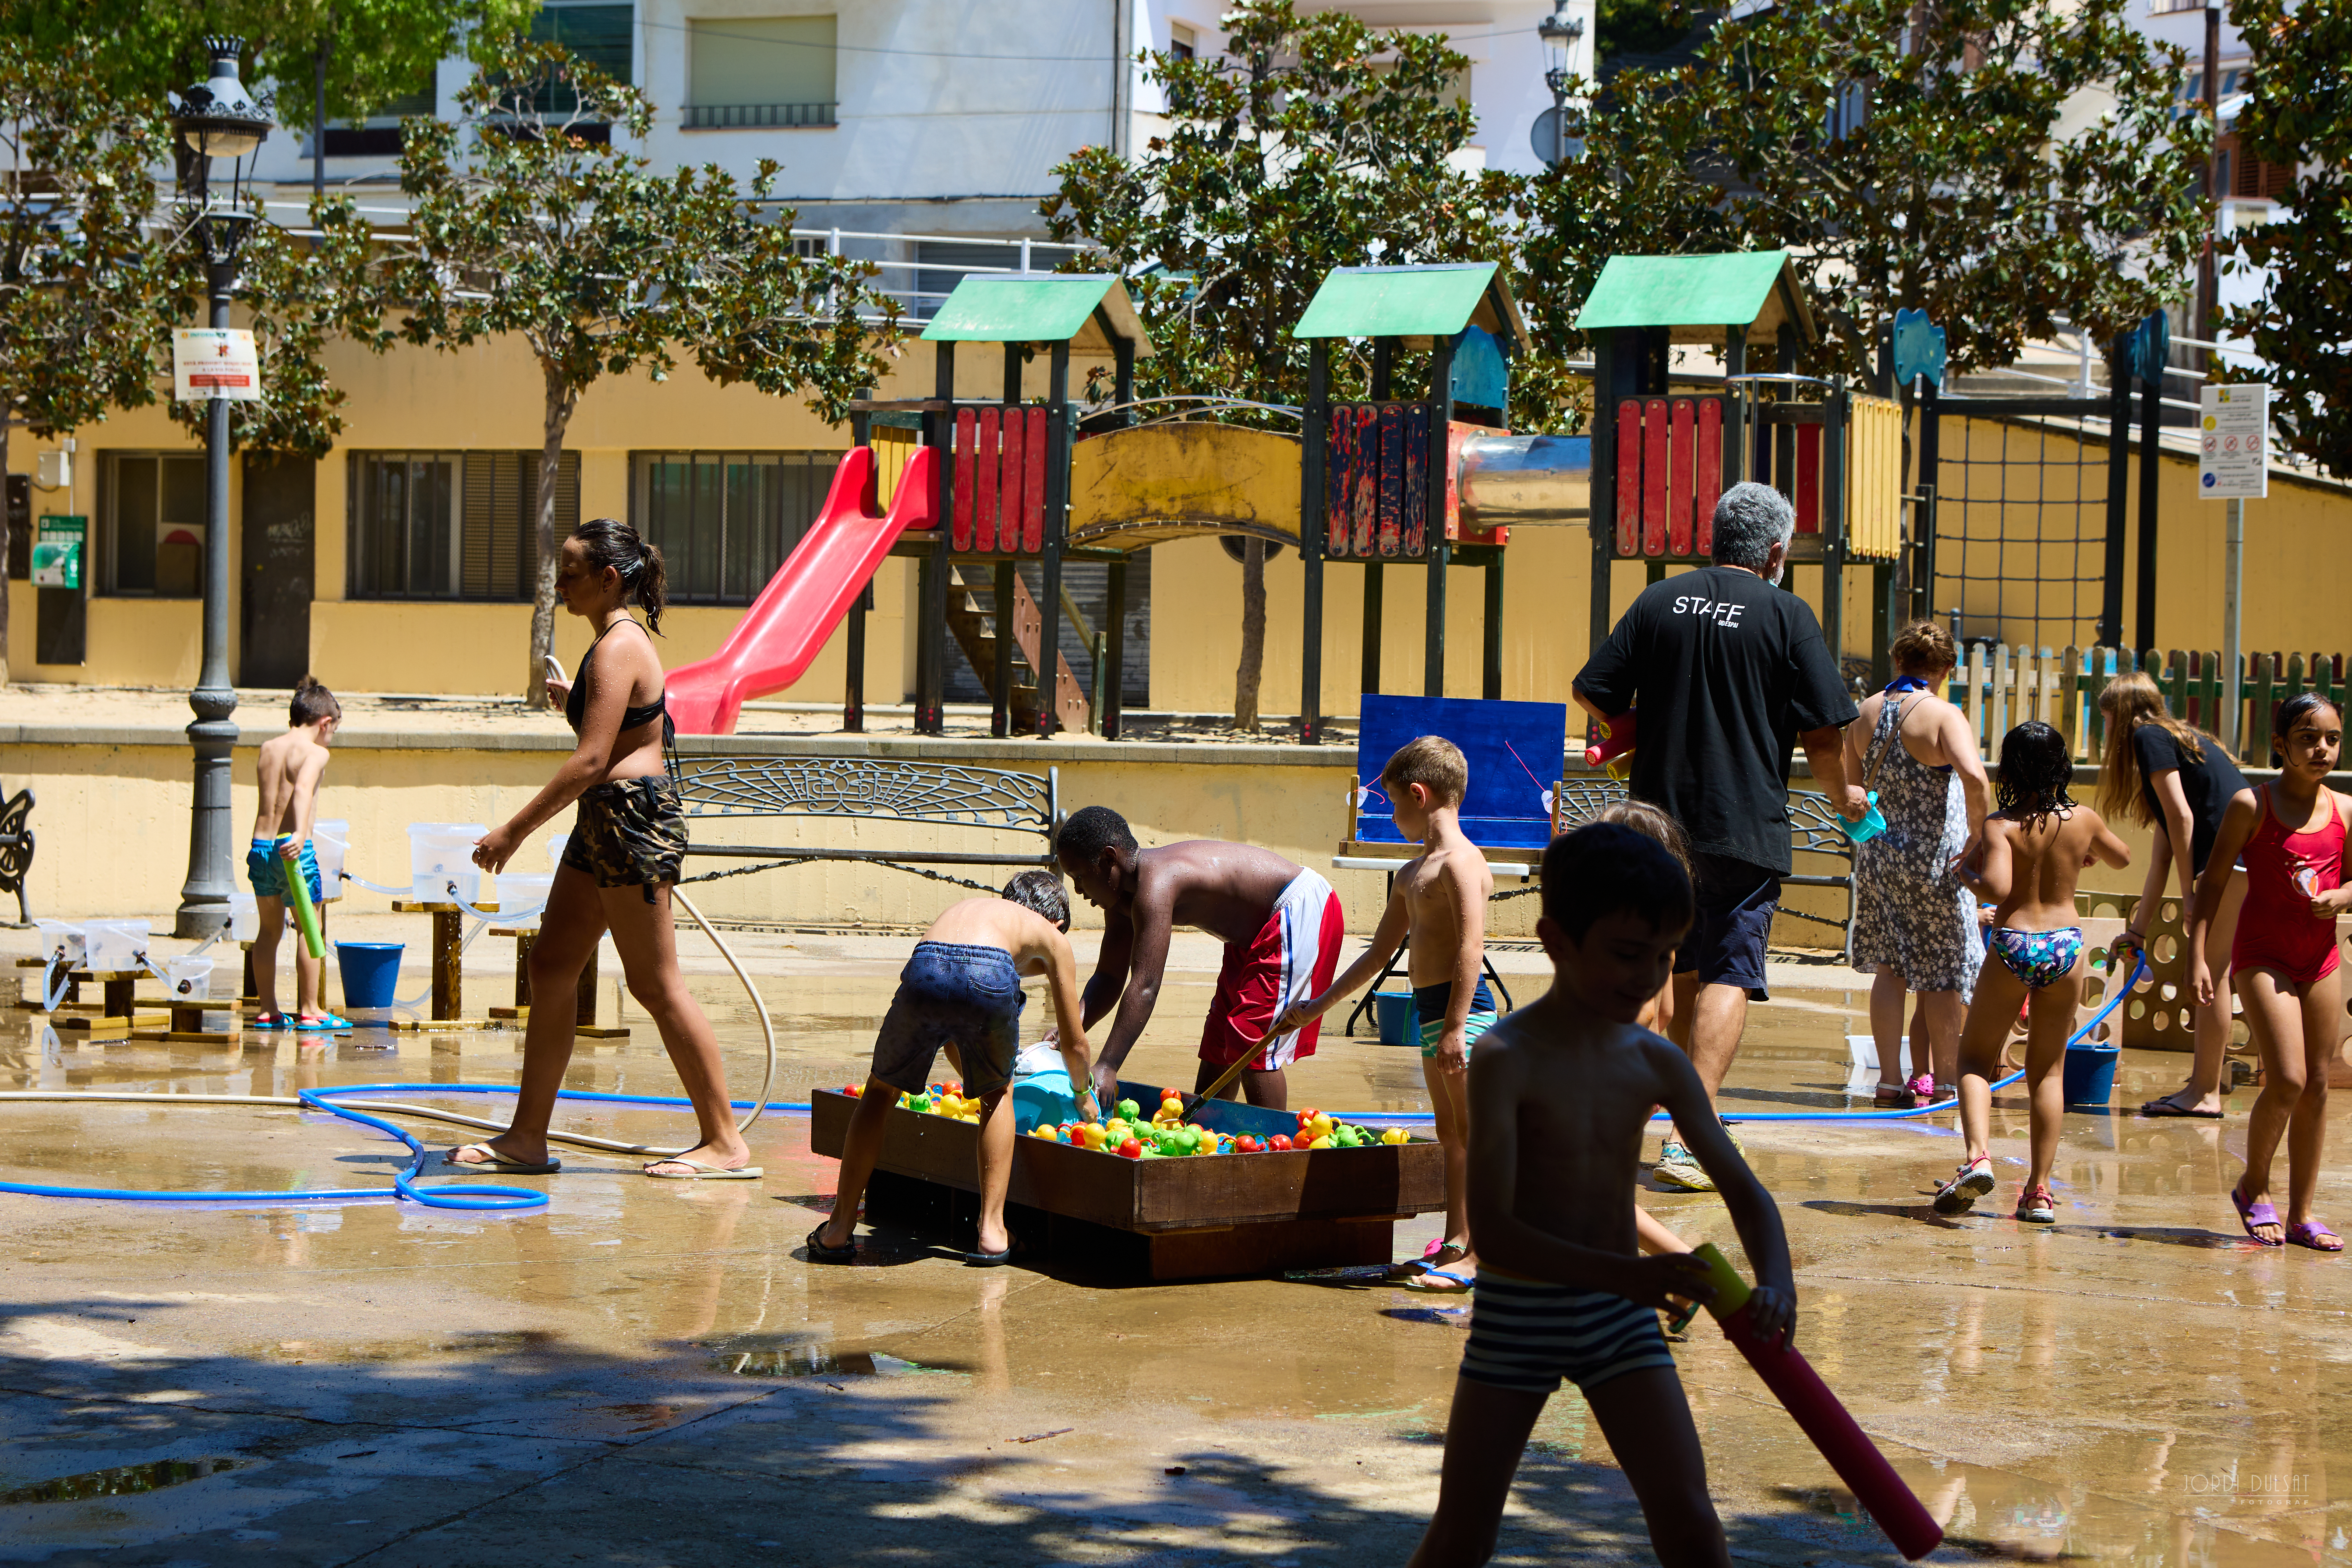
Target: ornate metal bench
{"x": 1813, "y": 829}
{"x": 17, "y": 852}
{"x": 923, "y": 794}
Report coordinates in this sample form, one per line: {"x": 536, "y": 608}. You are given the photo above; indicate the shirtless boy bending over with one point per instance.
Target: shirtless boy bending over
{"x": 1559, "y": 1092}
{"x": 289, "y": 771}
{"x": 1281, "y": 926}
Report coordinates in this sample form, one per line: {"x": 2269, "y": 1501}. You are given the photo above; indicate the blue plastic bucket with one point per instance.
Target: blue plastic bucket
{"x": 370, "y": 972}
{"x": 2091, "y": 1075}
{"x": 1398, "y": 1026}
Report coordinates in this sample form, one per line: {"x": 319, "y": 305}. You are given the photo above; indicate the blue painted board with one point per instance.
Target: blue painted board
{"x": 1516, "y": 752}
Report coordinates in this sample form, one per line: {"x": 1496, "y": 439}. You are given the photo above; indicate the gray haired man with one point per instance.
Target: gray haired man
{"x": 1727, "y": 672}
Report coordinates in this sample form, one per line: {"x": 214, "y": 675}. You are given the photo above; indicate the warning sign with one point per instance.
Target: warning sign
{"x": 214, "y": 362}
{"x": 2233, "y": 436}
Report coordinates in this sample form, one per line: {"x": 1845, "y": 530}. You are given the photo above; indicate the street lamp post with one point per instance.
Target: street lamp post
{"x": 1558, "y": 33}
{"x": 216, "y": 118}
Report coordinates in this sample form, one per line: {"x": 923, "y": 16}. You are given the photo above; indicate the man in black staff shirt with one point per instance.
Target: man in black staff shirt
{"x": 1724, "y": 670}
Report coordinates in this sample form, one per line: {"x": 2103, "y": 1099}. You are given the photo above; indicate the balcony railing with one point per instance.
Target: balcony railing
{"x": 770, "y": 115}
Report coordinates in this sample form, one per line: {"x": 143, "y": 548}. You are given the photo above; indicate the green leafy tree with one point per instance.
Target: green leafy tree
{"x": 86, "y": 270}
{"x": 527, "y": 221}
{"x": 1997, "y": 163}
{"x": 1311, "y": 142}
{"x": 370, "y": 52}
{"x": 2301, "y": 113}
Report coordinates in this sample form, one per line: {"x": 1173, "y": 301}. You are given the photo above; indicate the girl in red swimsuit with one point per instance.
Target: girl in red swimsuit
{"x": 2290, "y": 834}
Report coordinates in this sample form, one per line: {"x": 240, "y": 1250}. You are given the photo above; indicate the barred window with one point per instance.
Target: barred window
{"x": 724, "y": 521}
{"x": 452, "y": 525}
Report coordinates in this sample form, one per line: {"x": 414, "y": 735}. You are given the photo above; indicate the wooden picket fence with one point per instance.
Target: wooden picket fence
{"x": 2000, "y": 688}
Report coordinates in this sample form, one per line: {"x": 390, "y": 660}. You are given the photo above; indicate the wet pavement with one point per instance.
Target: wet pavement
{"x": 648, "y": 1373}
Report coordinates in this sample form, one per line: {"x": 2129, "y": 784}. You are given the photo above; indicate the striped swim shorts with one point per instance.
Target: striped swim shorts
{"x": 1527, "y": 1336}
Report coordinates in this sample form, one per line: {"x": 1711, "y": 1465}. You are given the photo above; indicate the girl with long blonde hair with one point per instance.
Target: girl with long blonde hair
{"x": 2179, "y": 782}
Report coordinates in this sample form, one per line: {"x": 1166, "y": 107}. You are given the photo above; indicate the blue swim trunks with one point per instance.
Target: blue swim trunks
{"x": 959, "y": 994}
{"x": 265, "y": 868}
{"x": 1432, "y": 1003}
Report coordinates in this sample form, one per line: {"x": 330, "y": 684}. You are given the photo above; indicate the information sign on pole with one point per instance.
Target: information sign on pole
{"x": 210, "y": 362}
{"x": 2233, "y": 437}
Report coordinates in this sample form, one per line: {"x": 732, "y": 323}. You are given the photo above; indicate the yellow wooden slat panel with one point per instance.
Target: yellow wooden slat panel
{"x": 893, "y": 449}
{"x": 1874, "y": 478}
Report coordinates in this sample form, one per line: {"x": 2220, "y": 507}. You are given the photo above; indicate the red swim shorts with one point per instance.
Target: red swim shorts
{"x": 1292, "y": 960}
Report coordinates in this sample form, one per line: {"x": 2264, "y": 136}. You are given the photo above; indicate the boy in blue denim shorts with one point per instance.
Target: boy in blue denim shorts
{"x": 287, "y": 773}
{"x": 960, "y": 992}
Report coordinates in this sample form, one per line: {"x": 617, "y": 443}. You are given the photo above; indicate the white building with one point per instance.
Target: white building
{"x": 941, "y": 118}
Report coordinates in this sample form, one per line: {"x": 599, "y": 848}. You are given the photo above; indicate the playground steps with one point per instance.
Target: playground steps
{"x": 975, "y": 627}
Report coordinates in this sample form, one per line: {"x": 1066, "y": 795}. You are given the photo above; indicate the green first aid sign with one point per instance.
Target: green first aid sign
{"x": 58, "y": 550}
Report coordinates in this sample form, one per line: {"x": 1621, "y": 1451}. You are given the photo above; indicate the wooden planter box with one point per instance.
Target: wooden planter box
{"x": 1169, "y": 1218}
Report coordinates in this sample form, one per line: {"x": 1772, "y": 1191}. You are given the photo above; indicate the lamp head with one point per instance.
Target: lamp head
{"x": 217, "y": 118}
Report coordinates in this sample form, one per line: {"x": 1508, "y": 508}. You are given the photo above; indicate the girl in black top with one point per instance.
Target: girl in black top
{"x": 619, "y": 865}
{"x": 2179, "y": 782}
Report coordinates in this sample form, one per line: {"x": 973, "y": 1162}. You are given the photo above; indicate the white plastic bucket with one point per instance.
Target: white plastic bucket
{"x": 59, "y": 939}
{"x": 330, "y": 841}
{"x": 115, "y": 946}
{"x": 440, "y": 854}
{"x": 191, "y": 979}
{"x": 244, "y": 917}
{"x": 519, "y": 891}
{"x": 555, "y": 843}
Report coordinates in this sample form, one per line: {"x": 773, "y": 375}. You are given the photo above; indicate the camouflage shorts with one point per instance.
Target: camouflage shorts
{"x": 630, "y": 832}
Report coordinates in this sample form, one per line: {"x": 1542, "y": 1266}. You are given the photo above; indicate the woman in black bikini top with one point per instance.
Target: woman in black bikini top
{"x": 619, "y": 865}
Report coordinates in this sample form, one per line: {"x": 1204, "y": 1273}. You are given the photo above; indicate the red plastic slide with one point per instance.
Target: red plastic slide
{"x": 778, "y": 637}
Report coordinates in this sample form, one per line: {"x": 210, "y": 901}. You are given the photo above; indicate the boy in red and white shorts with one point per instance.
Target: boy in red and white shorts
{"x": 1280, "y": 922}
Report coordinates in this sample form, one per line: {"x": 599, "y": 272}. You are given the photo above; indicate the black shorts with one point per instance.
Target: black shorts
{"x": 1737, "y": 900}
{"x": 953, "y": 993}
{"x": 630, "y": 832}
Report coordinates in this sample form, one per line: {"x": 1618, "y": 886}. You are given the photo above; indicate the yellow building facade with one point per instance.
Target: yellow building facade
{"x": 487, "y": 399}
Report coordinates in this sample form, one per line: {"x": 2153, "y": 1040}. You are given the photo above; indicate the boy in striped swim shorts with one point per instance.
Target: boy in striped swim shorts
{"x": 1560, "y": 1092}
{"x": 1437, "y": 904}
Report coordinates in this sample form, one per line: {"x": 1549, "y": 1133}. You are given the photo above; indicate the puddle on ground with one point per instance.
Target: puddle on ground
{"x": 809, "y": 1361}
{"x": 122, "y": 1481}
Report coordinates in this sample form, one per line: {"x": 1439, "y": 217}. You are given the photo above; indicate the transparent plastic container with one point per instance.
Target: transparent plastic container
{"x": 330, "y": 841}
{"x": 115, "y": 946}
{"x": 555, "y": 843}
{"x": 60, "y": 940}
{"x": 244, "y": 917}
{"x": 440, "y": 854}
{"x": 190, "y": 979}
{"x": 520, "y": 890}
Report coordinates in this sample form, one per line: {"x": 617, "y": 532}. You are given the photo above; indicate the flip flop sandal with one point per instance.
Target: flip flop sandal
{"x": 2253, "y": 1214}
{"x": 820, "y": 1253}
{"x": 2169, "y": 1107}
{"x": 329, "y": 1024}
{"x": 2309, "y": 1232}
{"x": 988, "y": 1260}
{"x": 1420, "y": 1282}
{"x": 272, "y": 1022}
{"x": 1891, "y": 1094}
{"x": 495, "y": 1161}
{"x": 1436, "y": 1255}
{"x": 697, "y": 1171}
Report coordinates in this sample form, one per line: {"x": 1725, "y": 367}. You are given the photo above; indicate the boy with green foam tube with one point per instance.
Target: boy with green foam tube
{"x": 282, "y": 865}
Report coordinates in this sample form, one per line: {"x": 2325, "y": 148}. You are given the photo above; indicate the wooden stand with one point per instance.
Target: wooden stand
{"x": 448, "y": 975}
{"x": 1166, "y": 1219}
{"x": 116, "y": 1016}
{"x": 584, "y": 998}
{"x": 187, "y": 1026}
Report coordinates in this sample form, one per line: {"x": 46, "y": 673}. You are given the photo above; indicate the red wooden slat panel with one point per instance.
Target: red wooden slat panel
{"x": 1681, "y": 451}
{"x": 1013, "y": 484}
{"x": 983, "y": 531}
{"x": 1653, "y": 476}
{"x": 967, "y": 458}
{"x": 1391, "y": 490}
{"x": 1629, "y": 477}
{"x": 1032, "y": 483}
{"x": 1366, "y": 499}
{"x": 1809, "y": 479}
{"x": 1339, "y": 443}
{"x": 1708, "y": 488}
{"x": 1412, "y": 499}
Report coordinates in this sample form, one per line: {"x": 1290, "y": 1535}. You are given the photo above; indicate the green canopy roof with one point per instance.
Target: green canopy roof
{"x": 1085, "y": 309}
{"x": 1434, "y": 301}
{"x": 1700, "y": 297}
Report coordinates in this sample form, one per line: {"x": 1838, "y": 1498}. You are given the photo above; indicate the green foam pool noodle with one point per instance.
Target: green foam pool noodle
{"x": 305, "y": 913}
